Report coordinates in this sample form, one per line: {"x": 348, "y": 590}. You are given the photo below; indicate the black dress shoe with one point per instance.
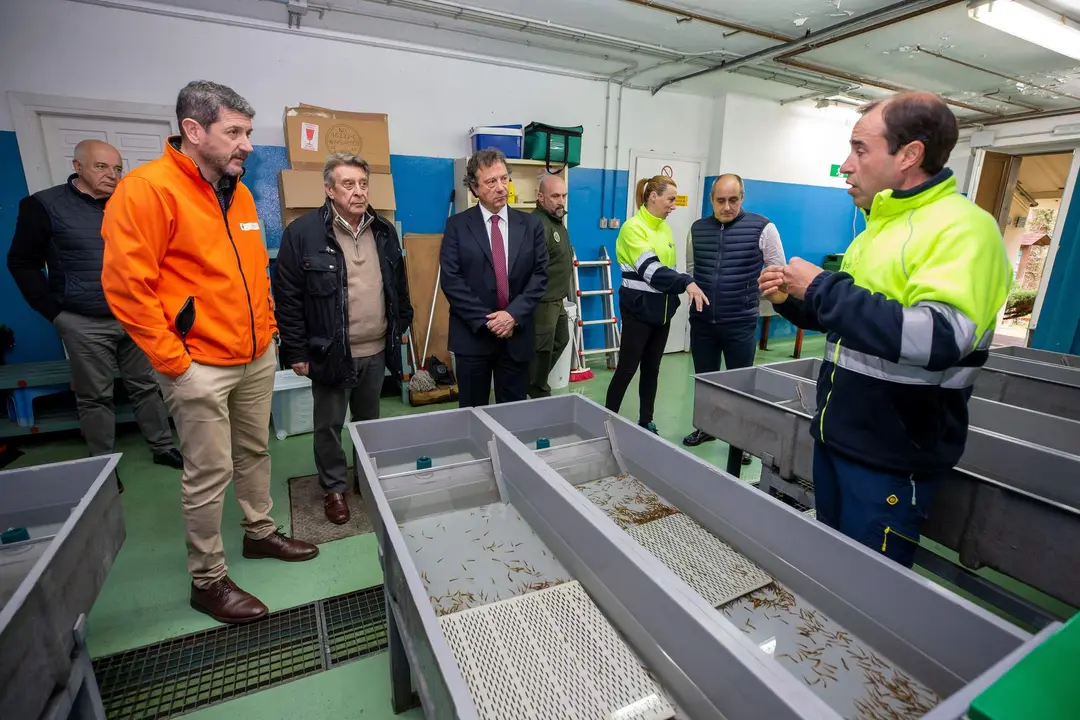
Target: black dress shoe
{"x": 170, "y": 458}
{"x": 696, "y": 438}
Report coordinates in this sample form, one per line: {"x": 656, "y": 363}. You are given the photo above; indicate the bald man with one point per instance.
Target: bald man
{"x": 55, "y": 260}
{"x": 552, "y": 331}
{"x": 725, "y": 253}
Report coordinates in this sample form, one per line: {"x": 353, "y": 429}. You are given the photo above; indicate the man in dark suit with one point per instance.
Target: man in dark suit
{"x": 494, "y": 273}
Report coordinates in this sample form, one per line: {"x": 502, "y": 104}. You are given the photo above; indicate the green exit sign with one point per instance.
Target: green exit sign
{"x": 834, "y": 171}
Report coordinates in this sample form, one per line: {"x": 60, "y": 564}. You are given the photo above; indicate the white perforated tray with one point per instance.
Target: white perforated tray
{"x": 551, "y": 655}
{"x": 711, "y": 567}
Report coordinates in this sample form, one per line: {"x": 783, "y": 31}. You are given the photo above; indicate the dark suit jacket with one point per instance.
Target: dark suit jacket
{"x": 468, "y": 281}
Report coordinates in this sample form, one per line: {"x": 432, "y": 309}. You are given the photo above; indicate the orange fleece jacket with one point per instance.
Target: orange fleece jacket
{"x": 169, "y": 245}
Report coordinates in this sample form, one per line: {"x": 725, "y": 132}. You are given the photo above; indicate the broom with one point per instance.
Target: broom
{"x": 582, "y": 371}
{"x": 421, "y": 381}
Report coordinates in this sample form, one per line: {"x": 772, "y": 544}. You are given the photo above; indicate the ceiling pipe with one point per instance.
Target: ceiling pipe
{"x": 851, "y": 77}
{"x": 871, "y": 28}
{"x": 793, "y": 79}
{"x": 905, "y": 8}
{"x": 1009, "y": 101}
{"x": 995, "y": 73}
{"x": 519, "y": 23}
{"x": 719, "y": 22}
{"x": 1017, "y": 117}
{"x": 216, "y": 18}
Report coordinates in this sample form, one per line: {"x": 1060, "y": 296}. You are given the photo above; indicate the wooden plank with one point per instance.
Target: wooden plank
{"x": 422, "y": 270}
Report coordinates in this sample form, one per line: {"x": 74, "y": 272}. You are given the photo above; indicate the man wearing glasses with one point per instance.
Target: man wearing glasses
{"x": 59, "y": 231}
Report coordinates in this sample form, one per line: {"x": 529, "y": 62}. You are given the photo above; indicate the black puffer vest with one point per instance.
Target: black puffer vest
{"x": 76, "y": 250}
{"x": 727, "y": 262}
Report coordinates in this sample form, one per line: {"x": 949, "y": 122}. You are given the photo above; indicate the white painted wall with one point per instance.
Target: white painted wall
{"x": 54, "y": 47}
{"x": 798, "y": 143}
{"x": 961, "y": 161}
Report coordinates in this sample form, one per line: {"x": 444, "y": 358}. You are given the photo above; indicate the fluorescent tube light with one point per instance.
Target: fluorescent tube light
{"x": 1030, "y": 22}
{"x": 846, "y": 99}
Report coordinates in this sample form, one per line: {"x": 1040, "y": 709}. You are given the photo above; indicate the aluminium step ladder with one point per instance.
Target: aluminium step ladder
{"x": 612, "y": 337}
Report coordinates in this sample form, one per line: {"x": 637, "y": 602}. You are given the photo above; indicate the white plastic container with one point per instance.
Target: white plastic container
{"x": 292, "y": 408}
{"x": 560, "y": 374}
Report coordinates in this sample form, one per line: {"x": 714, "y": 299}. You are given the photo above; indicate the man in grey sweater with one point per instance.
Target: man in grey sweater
{"x": 341, "y": 304}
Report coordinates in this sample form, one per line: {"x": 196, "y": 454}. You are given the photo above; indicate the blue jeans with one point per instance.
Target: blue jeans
{"x": 882, "y": 510}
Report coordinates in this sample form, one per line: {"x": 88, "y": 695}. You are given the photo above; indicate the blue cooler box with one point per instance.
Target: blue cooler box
{"x": 508, "y": 138}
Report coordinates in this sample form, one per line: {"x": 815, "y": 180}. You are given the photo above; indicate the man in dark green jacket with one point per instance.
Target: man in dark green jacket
{"x": 552, "y": 333}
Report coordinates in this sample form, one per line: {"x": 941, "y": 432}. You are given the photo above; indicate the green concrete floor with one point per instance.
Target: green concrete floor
{"x": 144, "y": 599}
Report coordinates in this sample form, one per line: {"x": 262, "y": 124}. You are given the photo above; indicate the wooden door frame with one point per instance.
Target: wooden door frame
{"x": 27, "y": 110}
{"x": 1049, "y": 145}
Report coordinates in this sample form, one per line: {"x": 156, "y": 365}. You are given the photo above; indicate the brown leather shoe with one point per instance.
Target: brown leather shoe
{"x": 277, "y": 546}
{"x": 337, "y": 510}
{"x": 227, "y": 603}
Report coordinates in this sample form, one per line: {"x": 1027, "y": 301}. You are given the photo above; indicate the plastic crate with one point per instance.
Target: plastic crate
{"x": 557, "y": 146}
{"x": 507, "y": 138}
{"x": 292, "y": 407}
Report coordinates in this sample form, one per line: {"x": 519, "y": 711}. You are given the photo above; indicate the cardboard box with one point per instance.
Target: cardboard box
{"x": 301, "y": 191}
{"x": 312, "y": 133}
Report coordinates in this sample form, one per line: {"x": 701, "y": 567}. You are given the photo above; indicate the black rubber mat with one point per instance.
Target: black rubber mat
{"x": 183, "y": 674}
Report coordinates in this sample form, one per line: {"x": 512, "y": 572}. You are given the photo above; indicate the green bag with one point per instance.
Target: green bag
{"x": 556, "y": 146}
{"x": 832, "y": 262}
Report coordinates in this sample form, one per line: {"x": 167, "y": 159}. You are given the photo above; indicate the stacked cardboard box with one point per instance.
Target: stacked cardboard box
{"x": 312, "y": 133}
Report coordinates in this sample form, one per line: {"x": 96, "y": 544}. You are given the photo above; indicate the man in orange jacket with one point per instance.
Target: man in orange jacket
{"x": 187, "y": 275}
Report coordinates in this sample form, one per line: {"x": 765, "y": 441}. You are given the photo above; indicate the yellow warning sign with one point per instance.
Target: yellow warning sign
{"x": 682, "y": 200}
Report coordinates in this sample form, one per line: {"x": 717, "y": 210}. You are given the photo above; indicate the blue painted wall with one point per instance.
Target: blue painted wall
{"x": 1059, "y": 319}
{"x": 35, "y": 338}
{"x": 813, "y": 222}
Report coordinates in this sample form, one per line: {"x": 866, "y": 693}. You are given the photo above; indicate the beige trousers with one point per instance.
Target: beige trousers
{"x": 222, "y": 417}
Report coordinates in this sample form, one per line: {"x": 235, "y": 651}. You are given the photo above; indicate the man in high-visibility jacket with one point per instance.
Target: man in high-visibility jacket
{"x": 909, "y": 317}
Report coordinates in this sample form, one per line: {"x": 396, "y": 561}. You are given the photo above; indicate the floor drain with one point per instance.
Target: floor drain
{"x": 183, "y": 674}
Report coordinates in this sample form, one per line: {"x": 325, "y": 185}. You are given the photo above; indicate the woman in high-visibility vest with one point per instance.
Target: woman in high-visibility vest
{"x": 648, "y": 295}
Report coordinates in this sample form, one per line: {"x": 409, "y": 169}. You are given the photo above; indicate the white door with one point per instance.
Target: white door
{"x": 687, "y": 177}
{"x": 138, "y": 141}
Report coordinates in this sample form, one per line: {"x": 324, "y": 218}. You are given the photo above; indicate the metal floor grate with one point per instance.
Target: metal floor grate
{"x": 183, "y": 674}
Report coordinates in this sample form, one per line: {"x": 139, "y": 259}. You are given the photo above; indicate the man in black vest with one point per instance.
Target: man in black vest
{"x": 725, "y": 252}
{"x": 59, "y": 230}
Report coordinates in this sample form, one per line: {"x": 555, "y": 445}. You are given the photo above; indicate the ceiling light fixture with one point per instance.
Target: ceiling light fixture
{"x": 1030, "y": 22}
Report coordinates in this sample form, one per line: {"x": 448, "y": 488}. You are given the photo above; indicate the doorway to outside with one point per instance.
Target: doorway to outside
{"x": 686, "y": 172}
{"x": 1024, "y": 193}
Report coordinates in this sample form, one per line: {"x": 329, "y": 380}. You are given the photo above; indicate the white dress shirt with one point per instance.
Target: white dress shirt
{"x": 504, "y": 229}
